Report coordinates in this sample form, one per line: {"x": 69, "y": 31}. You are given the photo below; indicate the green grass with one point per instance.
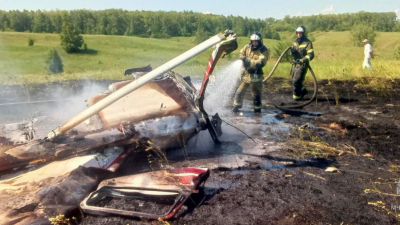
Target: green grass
{"x": 20, "y": 63}
{"x": 336, "y": 58}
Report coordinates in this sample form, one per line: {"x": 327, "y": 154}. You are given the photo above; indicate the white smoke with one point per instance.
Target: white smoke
{"x": 75, "y": 102}
{"x": 53, "y": 103}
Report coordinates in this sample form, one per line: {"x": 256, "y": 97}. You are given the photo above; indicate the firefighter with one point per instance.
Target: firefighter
{"x": 254, "y": 56}
{"x": 303, "y": 53}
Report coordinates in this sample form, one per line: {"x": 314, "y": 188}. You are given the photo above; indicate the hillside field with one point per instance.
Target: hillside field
{"x": 109, "y": 56}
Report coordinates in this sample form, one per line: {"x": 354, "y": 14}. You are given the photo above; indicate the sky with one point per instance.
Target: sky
{"x": 252, "y": 9}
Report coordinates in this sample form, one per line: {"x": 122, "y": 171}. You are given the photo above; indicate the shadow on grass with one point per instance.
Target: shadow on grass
{"x": 88, "y": 51}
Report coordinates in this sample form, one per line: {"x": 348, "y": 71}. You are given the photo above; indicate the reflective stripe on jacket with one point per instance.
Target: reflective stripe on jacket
{"x": 305, "y": 48}
{"x": 258, "y": 57}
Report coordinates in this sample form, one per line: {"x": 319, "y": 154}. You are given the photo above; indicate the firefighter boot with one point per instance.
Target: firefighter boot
{"x": 304, "y": 91}
{"x": 236, "y": 109}
{"x": 296, "y": 97}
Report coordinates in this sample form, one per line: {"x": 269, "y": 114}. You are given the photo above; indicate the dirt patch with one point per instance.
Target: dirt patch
{"x": 289, "y": 196}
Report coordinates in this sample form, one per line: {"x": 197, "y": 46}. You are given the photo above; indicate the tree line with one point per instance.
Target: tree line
{"x": 157, "y": 24}
{"x": 382, "y": 21}
{"x": 160, "y": 24}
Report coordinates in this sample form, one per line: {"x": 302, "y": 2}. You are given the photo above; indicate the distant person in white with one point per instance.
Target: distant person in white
{"x": 368, "y": 54}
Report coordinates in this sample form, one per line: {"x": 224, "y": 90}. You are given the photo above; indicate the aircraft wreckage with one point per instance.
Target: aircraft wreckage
{"x": 158, "y": 107}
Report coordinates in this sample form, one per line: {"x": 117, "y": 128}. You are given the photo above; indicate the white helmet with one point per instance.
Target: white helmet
{"x": 256, "y": 36}
{"x": 300, "y": 29}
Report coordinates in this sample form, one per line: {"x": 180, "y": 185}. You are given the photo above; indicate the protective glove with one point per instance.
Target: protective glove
{"x": 258, "y": 65}
{"x": 243, "y": 58}
{"x": 246, "y": 62}
{"x": 297, "y": 61}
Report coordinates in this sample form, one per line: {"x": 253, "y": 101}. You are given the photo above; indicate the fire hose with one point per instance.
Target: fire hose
{"x": 283, "y": 105}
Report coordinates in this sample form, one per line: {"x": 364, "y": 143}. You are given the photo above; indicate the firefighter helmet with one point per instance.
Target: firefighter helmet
{"x": 300, "y": 29}
{"x": 256, "y": 36}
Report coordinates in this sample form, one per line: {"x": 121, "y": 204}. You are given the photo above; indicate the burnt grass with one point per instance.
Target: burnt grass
{"x": 357, "y": 132}
{"x": 359, "y": 126}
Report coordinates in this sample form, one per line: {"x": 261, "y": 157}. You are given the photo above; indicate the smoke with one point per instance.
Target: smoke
{"x": 57, "y": 102}
{"x": 76, "y": 97}
{"x": 52, "y": 103}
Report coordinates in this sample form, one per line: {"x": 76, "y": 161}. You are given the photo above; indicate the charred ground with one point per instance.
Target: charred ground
{"x": 281, "y": 178}
{"x": 350, "y": 127}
